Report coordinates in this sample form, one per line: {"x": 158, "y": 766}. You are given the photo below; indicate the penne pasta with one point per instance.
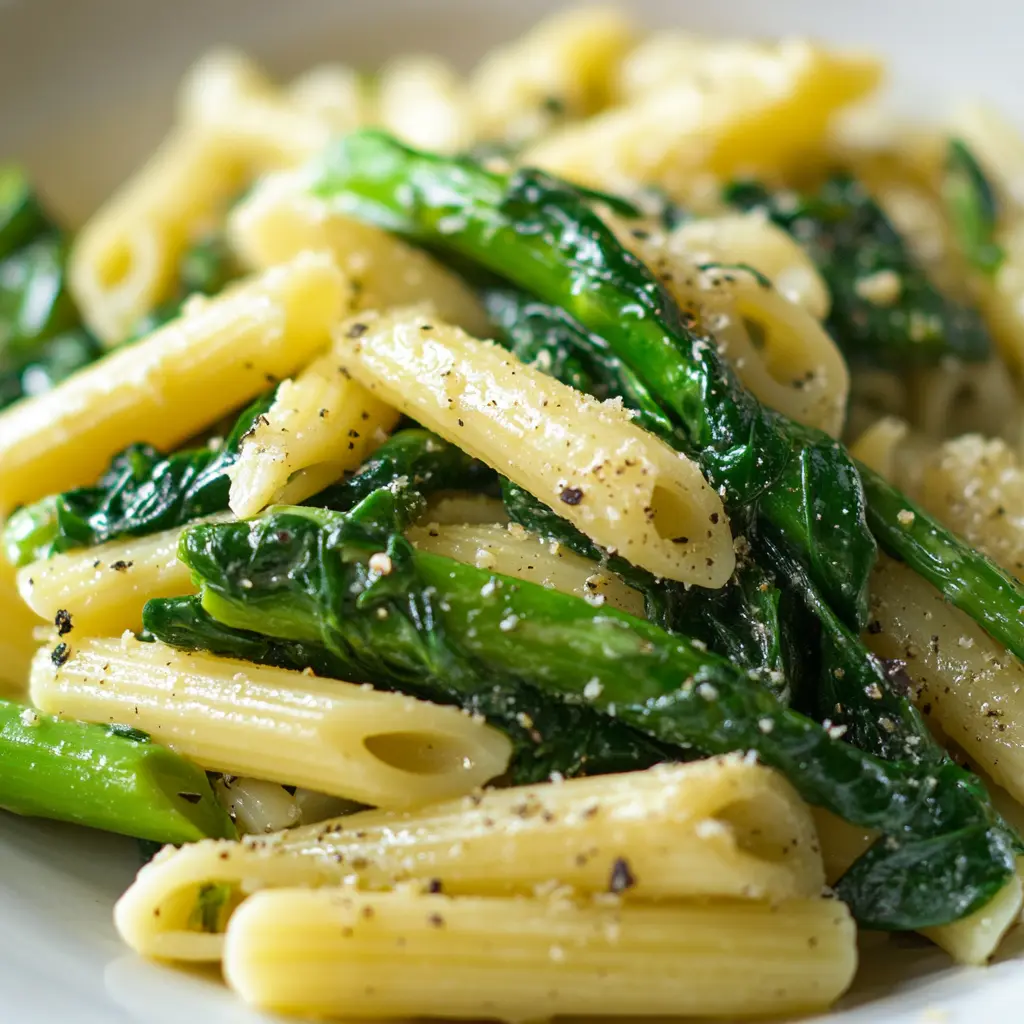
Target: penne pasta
{"x": 560, "y": 69}
{"x": 773, "y": 103}
{"x": 228, "y": 98}
{"x": 123, "y": 261}
{"x": 17, "y": 645}
{"x": 961, "y": 677}
{"x": 335, "y": 95}
{"x": 463, "y": 509}
{"x": 384, "y": 749}
{"x": 332, "y": 951}
{"x": 621, "y": 486}
{"x": 511, "y": 551}
{"x": 281, "y": 219}
{"x": 421, "y": 100}
{"x": 217, "y": 355}
{"x": 716, "y": 828}
{"x": 320, "y": 425}
{"x": 105, "y": 588}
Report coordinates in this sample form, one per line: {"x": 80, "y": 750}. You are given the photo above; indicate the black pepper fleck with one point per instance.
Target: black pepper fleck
{"x": 60, "y": 654}
{"x": 62, "y": 620}
{"x": 571, "y": 495}
{"x": 622, "y": 877}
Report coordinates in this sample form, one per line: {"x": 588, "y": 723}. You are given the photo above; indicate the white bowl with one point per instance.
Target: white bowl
{"x": 88, "y": 87}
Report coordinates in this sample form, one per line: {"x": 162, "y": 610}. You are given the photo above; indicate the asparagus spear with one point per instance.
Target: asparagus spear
{"x": 438, "y": 626}
{"x": 972, "y": 208}
{"x": 105, "y": 777}
{"x": 964, "y": 576}
{"x": 884, "y": 308}
{"x": 142, "y": 492}
{"x": 542, "y": 235}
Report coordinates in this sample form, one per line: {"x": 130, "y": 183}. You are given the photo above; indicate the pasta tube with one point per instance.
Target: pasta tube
{"x": 321, "y": 424}
{"x": 511, "y": 551}
{"x": 225, "y": 96}
{"x": 332, "y": 951}
{"x": 281, "y": 219}
{"x": 422, "y": 101}
{"x": 384, "y": 749}
{"x": 334, "y": 94}
{"x": 105, "y": 588}
{"x": 166, "y": 388}
{"x": 962, "y": 678}
{"x": 17, "y": 644}
{"x": 621, "y": 486}
{"x": 560, "y": 69}
{"x": 721, "y": 827}
{"x": 123, "y": 262}
{"x": 773, "y": 104}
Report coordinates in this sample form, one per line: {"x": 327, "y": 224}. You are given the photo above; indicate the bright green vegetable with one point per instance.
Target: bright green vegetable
{"x": 542, "y": 235}
{"x": 49, "y": 363}
{"x": 106, "y": 777}
{"x": 964, "y": 576}
{"x": 885, "y": 310}
{"x": 439, "y": 627}
{"x": 971, "y": 204}
{"x": 142, "y": 492}
{"x": 21, "y": 217}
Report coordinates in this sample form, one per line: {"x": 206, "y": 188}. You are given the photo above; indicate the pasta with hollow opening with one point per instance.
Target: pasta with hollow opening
{"x": 624, "y": 489}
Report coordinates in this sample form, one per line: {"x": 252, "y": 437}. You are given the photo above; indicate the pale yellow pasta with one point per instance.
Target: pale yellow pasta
{"x": 624, "y": 488}
{"x": 423, "y": 101}
{"x": 228, "y": 98}
{"x": 775, "y": 103}
{"x": 321, "y": 423}
{"x": 257, "y": 807}
{"x": 104, "y": 588}
{"x": 17, "y": 645}
{"x": 561, "y": 68}
{"x": 723, "y": 827}
{"x": 281, "y": 219}
{"x": 511, "y": 551}
{"x": 164, "y": 389}
{"x": 778, "y": 349}
{"x": 877, "y": 447}
{"x": 962, "y": 678}
{"x": 975, "y": 486}
{"x": 124, "y": 260}
{"x": 753, "y": 239}
{"x": 971, "y": 940}
{"x": 335, "y": 951}
{"x": 459, "y": 508}
{"x": 385, "y": 749}
{"x": 334, "y": 94}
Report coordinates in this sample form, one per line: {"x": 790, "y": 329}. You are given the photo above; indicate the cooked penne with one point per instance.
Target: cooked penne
{"x": 334, "y": 94}
{"x": 752, "y": 239}
{"x": 384, "y": 749}
{"x": 123, "y": 261}
{"x": 281, "y": 219}
{"x": 561, "y": 69}
{"x": 334, "y": 951}
{"x": 621, "y": 486}
{"x": 166, "y": 388}
{"x": 794, "y": 366}
{"x": 962, "y": 678}
{"x": 104, "y": 588}
{"x": 715, "y": 828}
{"x": 423, "y": 101}
{"x": 463, "y": 509}
{"x": 511, "y": 551}
{"x": 17, "y": 645}
{"x": 321, "y": 424}
{"x": 774, "y": 103}
{"x": 228, "y": 98}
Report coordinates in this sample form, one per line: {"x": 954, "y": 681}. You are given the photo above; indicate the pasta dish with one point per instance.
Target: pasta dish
{"x": 531, "y": 542}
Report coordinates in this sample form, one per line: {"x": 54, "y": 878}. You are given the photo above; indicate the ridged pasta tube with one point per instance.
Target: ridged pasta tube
{"x": 423, "y": 101}
{"x": 385, "y": 749}
{"x": 123, "y": 261}
{"x": 514, "y": 552}
{"x": 281, "y": 219}
{"x": 331, "y": 951}
{"x": 722, "y": 827}
{"x": 165, "y": 389}
{"x": 621, "y": 486}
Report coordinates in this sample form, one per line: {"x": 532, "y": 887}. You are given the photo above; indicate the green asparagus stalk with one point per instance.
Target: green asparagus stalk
{"x": 106, "y": 777}
{"x": 542, "y": 235}
{"x": 432, "y": 624}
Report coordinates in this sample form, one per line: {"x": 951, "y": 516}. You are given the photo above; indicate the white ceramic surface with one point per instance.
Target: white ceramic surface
{"x": 85, "y": 90}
